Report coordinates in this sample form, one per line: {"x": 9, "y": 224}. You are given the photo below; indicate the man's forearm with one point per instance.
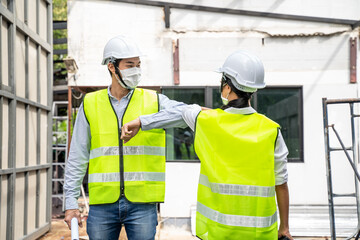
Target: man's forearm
{"x": 74, "y": 175}
{"x": 169, "y": 115}
{"x": 282, "y": 195}
{"x": 77, "y": 161}
{"x": 163, "y": 119}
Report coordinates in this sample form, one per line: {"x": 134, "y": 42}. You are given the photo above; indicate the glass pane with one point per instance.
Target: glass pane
{"x": 188, "y": 96}
{"x": 282, "y": 106}
{"x": 180, "y": 142}
{"x": 216, "y": 98}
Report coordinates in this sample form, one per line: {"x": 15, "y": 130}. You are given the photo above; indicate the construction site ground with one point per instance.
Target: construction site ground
{"x": 311, "y": 223}
{"x": 60, "y": 231}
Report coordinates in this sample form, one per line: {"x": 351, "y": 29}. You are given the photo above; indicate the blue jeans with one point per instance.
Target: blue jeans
{"x": 105, "y": 220}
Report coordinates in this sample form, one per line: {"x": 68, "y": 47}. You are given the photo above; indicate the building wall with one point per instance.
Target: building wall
{"x": 25, "y": 118}
{"x": 320, "y": 8}
{"x": 312, "y": 55}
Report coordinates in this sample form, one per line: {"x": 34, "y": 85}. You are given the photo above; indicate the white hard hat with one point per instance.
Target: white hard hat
{"x": 245, "y": 70}
{"x": 120, "y": 47}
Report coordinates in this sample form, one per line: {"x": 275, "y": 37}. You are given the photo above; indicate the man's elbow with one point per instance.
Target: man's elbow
{"x": 282, "y": 187}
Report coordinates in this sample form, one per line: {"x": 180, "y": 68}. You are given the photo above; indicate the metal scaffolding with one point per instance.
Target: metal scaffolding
{"x": 354, "y": 160}
{"x": 59, "y": 152}
{"x": 60, "y": 148}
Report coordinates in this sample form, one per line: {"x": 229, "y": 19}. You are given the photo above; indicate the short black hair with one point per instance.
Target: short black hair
{"x": 115, "y": 63}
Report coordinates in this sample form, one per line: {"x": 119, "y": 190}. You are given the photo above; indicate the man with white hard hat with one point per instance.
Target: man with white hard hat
{"x": 126, "y": 180}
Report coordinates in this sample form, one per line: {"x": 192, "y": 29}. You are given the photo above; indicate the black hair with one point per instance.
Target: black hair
{"x": 243, "y": 97}
{"x": 116, "y": 65}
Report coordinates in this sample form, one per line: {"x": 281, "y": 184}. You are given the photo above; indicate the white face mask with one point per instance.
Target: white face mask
{"x": 130, "y": 76}
{"x": 225, "y": 100}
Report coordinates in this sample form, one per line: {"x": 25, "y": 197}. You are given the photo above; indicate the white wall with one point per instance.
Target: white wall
{"x": 312, "y": 55}
{"x": 307, "y": 181}
{"x": 321, "y": 8}
{"x": 93, "y": 23}
{"x": 181, "y": 189}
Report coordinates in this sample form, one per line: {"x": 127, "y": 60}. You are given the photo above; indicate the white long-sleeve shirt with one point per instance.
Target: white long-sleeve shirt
{"x": 169, "y": 116}
{"x": 191, "y": 112}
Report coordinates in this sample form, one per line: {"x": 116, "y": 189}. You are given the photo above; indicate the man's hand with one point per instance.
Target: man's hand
{"x": 130, "y": 129}
{"x": 70, "y": 214}
{"x": 284, "y": 232}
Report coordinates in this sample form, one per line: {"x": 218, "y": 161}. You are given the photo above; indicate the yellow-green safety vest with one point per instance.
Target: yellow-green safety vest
{"x": 136, "y": 169}
{"x": 236, "y": 191}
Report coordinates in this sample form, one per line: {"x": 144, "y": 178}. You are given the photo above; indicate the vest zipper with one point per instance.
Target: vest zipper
{"x": 121, "y": 151}
{"x": 121, "y": 156}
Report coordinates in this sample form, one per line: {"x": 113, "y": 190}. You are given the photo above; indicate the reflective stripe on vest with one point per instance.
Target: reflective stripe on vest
{"x": 127, "y": 150}
{"x": 236, "y": 191}
{"x": 128, "y": 176}
{"x": 236, "y": 220}
{"x": 135, "y": 169}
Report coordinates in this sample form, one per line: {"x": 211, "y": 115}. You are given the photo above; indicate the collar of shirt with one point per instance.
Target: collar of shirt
{"x": 114, "y": 98}
{"x": 245, "y": 110}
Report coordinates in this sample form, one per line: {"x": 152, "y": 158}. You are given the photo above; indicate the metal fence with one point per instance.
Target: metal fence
{"x": 25, "y": 118}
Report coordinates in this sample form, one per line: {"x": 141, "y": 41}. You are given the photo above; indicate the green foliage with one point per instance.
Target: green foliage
{"x": 59, "y": 131}
{"x": 59, "y": 14}
{"x": 59, "y": 10}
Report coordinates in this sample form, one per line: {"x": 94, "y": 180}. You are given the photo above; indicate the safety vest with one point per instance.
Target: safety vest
{"x": 236, "y": 191}
{"x": 136, "y": 169}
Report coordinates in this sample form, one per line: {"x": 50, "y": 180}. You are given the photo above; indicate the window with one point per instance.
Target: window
{"x": 284, "y": 106}
{"x": 180, "y": 141}
{"x": 281, "y": 104}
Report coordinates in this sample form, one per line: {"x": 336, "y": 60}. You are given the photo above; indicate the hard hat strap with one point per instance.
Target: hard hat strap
{"x": 117, "y": 72}
{"x": 224, "y": 81}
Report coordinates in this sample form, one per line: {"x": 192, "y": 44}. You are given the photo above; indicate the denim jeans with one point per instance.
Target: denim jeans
{"x": 105, "y": 220}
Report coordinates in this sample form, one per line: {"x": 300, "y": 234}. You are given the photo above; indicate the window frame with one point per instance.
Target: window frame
{"x": 301, "y": 118}
{"x": 208, "y": 91}
{"x": 206, "y": 104}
